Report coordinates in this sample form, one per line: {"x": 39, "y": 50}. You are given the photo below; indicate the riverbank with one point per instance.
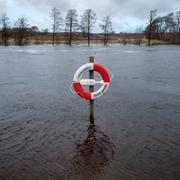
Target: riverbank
{"x": 80, "y": 38}
{"x": 74, "y": 42}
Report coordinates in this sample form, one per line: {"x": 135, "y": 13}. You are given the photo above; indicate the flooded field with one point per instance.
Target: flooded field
{"x": 44, "y": 128}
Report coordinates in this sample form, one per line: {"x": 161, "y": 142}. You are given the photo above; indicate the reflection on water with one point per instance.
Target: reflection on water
{"x": 92, "y": 155}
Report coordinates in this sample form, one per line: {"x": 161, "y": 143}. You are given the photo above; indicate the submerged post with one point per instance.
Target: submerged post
{"x": 91, "y": 89}
{"x": 79, "y": 82}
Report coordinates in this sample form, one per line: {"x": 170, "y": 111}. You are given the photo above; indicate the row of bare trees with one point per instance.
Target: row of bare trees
{"x": 18, "y": 32}
{"x": 5, "y": 27}
{"x": 165, "y": 28}
{"x": 70, "y": 22}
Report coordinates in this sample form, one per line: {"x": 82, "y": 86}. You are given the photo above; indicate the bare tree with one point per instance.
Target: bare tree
{"x": 177, "y": 19}
{"x": 106, "y": 28}
{"x": 162, "y": 26}
{"x": 57, "y": 20}
{"x": 71, "y": 24}
{"x": 22, "y": 26}
{"x": 166, "y": 28}
{"x": 152, "y": 16}
{"x": 171, "y": 25}
{"x": 88, "y": 20}
{"x": 4, "y": 20}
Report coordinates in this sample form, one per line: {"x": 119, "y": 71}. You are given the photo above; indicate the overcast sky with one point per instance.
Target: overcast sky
{"x": 127, "y": 15}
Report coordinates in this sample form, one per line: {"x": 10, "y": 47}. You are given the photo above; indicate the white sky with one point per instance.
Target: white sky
{"x": 127, "y": 15}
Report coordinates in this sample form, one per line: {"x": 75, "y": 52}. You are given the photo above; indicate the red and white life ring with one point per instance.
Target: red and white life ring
{"x": 78, "y": 82}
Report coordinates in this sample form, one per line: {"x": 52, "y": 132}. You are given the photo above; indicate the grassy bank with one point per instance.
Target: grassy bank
{"x": 94, "y": 41}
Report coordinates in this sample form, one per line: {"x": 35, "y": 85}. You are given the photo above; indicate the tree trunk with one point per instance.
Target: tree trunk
{"x": 105, "y": 38}
{"x": 149, "y": 36}
{"x": 53, "y": 38}
{"x": 88, "y": 38}
{"x": 53, "y": 32}
{"x": 70, "y": 36}
{"x": 5, "y": 36}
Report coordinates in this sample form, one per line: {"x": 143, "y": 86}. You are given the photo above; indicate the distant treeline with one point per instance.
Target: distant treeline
{"x": 166, "y": 28}
{"x": 68, "y": 30}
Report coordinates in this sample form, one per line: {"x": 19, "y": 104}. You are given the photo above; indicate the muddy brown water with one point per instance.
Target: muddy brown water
{"x": 44, "y": 128}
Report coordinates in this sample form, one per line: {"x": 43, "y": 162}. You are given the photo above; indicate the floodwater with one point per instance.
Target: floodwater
{"x": 44, "y": 129}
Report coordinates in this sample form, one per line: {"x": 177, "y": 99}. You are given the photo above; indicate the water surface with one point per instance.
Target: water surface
{"x": 44, "y": 128}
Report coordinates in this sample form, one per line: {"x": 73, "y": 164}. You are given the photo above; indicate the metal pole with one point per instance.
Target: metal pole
{"x": 91, "y": 89}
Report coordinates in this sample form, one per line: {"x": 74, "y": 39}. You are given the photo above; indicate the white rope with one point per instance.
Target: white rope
{"x": 111, "y": 75}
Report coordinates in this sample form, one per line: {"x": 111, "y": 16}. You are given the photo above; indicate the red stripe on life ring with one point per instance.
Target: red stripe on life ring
{"x": 78, "y": 88}
{"x": 103, "y": 72}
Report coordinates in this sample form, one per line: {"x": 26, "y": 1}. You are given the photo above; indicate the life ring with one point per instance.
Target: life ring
{"x": 78, "y": 82}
